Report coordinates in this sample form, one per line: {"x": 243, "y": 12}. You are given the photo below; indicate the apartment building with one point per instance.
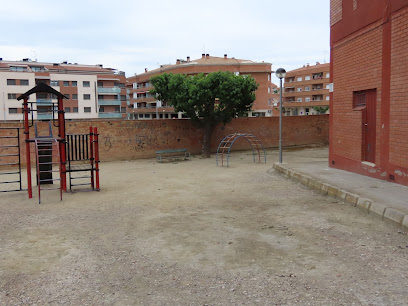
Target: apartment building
{"x": 369, "y": 111}
{"x": 92, "y": 91}
{"x": 306, "y": 90}
{"x": 144, "y": 106}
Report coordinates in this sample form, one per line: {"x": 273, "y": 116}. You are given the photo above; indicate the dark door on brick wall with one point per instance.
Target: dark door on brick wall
{"x": 369, "y": 126}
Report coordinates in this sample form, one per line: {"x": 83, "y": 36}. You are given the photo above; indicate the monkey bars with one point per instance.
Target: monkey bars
{"x": 226, "y": 144}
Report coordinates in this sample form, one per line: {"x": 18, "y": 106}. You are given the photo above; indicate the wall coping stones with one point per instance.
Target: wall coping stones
{"x": 378, "y": 210}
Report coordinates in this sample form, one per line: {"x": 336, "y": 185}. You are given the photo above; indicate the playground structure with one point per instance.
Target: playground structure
{"x": 226, "y": 143}
{"x": 50, "y": 152}
{"x": 10, "y": 157}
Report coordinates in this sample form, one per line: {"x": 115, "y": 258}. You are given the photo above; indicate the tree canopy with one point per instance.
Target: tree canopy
{"x": 207, "y": 99}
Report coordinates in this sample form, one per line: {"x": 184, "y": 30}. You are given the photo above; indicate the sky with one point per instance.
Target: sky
{"x": 131, "y": 35}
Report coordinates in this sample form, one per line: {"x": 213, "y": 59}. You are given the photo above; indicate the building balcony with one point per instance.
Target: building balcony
{"x": 110, "y": 102}
{"x": 44, "y": 116}
{"x": 109, "y": 90}
{"x": 45, "y": 102}
{"x": 306, "y": 104}
{"x": 152, "y": 110}
{"x": 110, "y": 115}
{"x": 143, "y": 86}
{"x": 144, "y": 97}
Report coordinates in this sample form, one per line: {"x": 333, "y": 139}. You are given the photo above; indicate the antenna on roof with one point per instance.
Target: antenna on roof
{"x": 34, "y": 55}
{"x": 324, "y": 55}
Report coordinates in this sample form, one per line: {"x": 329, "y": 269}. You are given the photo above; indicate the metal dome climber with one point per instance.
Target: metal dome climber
{"x": 228, "y": 141}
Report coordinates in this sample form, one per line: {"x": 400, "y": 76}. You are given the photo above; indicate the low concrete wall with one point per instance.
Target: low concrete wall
{"x": 127, "y": 139}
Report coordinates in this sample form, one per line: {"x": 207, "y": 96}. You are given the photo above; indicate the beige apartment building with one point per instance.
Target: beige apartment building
{"x": 144, "y": 106}
{"x": 92, "y": 91}
{"x": 306, "y": 90}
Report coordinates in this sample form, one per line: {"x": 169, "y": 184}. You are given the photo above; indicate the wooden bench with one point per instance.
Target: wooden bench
{"x": 172, "y": 153}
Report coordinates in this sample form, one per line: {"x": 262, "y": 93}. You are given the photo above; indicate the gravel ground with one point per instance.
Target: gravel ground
{"x": 191, "y": 233}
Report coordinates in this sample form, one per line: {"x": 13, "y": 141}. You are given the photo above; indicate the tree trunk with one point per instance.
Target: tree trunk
{"x": 206, "y": 149}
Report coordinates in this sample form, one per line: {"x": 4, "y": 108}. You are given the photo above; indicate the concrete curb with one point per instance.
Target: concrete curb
{"x": 377, "y": 210}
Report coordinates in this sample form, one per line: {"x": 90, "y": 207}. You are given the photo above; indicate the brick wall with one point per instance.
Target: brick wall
{"x": 126, "y": 140}
{"x": 357, "y": 66}
{"x": 399, "y": 90}
{"x": 368, "y": 49}
{"x": 336, "y": 8}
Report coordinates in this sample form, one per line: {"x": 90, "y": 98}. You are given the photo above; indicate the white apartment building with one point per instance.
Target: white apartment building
{"x": 92, "y": 91}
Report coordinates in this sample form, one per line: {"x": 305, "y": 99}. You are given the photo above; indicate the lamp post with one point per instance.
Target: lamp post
{"x": 280, "y": 73}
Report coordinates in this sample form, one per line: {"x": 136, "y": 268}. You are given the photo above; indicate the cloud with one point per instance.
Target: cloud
{"x": 133, "y": 35}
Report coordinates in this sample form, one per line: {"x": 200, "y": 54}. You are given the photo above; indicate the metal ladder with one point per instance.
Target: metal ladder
{"x": 43, "y": 145}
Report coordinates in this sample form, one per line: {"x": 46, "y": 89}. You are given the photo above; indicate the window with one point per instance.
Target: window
{"x": 42, "y": 96}
{"x": 123, "y": 110}
{"x": 68, "y": 96}
{"x": 269, "y": 90}
{"x": 134, "y": 85}
{"x": 307, "y": 78}
{"x": 327, "y": 98}
{"x": 54, "y": 83}
{"x": 11, "y": 82}
{"x": 307, "y": 111}
{"x": 87, "y": 97}
{"x": 100, "y": 84}
{"x": 123, "y": 97}
{"x": 359, "y": 99}
{"x": 327, "y": 86}
{"x": 120, "y": 85}
{"x": 37, "y": 68}
{"x": 67, "y": 109}
{"x": 269, "y": 77}
{"x": 18, "y": 68}
{"x": 299, "y": 100}
{"x": 117, "y": 109}
{"x": 299, "y": 89}
{"x": 328, "y": 75}
{"x": 100, "y": 97}
{"x": 148, "y": 115}
{"x": 307, "y": 99}
{"x": 299, "y": 79}
{"x": 74, "y": 83}
{"x": 74, "y": 96}
{"x": 307, "y": 88}
{"x": 140, "y": 115}
{"x": 101, "y": 109}
{"x": 75, "y": 109}
{"x": 12, "y": 96}
{"x": 66, "y": 83}
{"x": 24, "y": 82}
{"x": 86, "y": 84}
{"x": 87, "y": 109}
{"x": 13, "y": 110}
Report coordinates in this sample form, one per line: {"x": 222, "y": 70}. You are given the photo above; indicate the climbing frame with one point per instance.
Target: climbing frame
{"x": 226, "y": 144}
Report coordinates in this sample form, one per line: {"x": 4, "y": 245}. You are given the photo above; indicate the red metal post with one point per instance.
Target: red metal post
{"x": 96, "y": 158}
{"x": 61, "y": 134}
{"x": 27, "y": 137}
{"x": 91, "y": 149}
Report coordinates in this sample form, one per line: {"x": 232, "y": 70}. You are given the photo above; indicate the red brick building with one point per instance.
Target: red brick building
{"x": 144, "y": 106}
{"x": 306, "y": 90}
{"x": 369, "y": 72}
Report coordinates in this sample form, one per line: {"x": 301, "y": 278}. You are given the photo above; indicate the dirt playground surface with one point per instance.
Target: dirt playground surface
{"x": 191, "y": 233}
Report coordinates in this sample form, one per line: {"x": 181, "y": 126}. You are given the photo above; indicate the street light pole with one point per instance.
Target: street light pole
{"x": 280, "y": 73}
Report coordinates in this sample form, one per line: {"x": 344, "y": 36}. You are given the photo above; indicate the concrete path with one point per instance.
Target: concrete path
{"x": 384, "y": 200}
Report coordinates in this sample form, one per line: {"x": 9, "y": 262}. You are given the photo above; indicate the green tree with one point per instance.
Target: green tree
{"x": 207, "y": 99}
{"x": 321, "y": 110}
